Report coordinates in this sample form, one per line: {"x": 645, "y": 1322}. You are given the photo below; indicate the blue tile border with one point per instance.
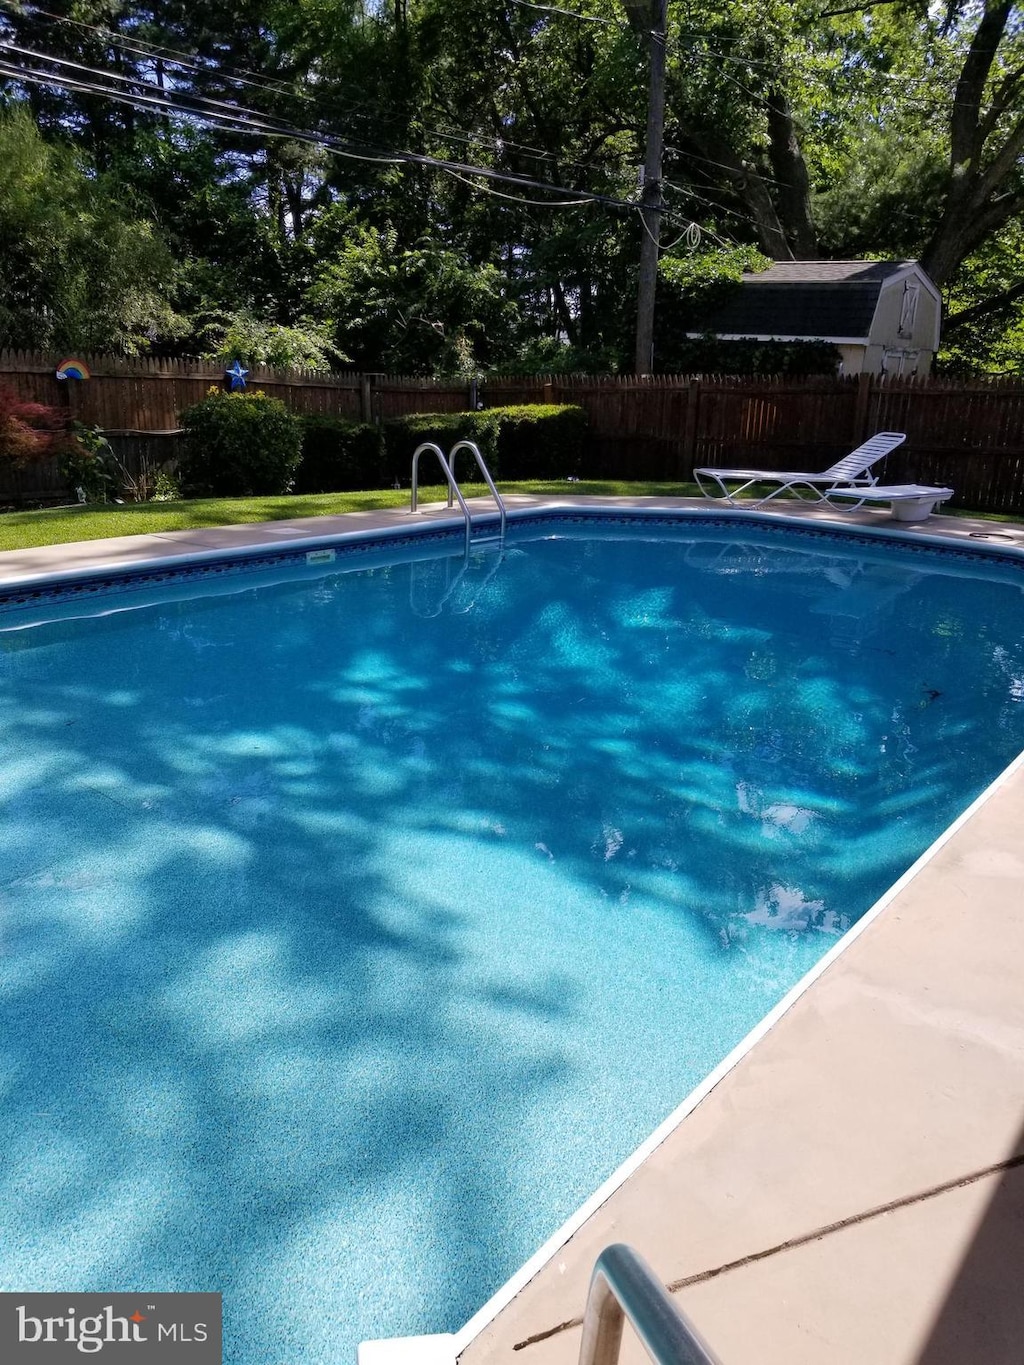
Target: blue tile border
{"x": 55, "y": 591}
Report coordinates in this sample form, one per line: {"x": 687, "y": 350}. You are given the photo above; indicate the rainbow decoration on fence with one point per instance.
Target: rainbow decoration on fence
{"x": 73, "y": 369}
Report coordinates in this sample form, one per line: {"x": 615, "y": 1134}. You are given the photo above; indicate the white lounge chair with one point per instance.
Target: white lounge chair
{"x": 852, "y": 469}
{"x": 907, "y": 501}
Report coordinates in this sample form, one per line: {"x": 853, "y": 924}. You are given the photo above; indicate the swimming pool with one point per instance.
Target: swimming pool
{"x": 358, "y": 924}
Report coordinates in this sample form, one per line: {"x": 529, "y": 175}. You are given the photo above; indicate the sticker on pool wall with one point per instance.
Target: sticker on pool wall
{"x": 320, "y": 557}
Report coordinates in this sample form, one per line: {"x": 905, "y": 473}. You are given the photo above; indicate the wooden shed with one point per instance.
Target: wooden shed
{"x": 883, "y": 316}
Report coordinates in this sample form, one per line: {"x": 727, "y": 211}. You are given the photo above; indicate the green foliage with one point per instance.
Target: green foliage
{"x": 403, "y": 434}
{"x": 887, "y": 200}
{"x": 421, "y": 309}
{"x": 704, "y": 277}
{"x": 694, "y": 286}
{"x": 527, "y": 441}
{"x": 78, "y": 273}
{"x": 306, "y": 346}
{"x": 988, "y": 291}
{"x": 540, "y": 441}
{"x": 799, "y": 130}
{"x": 89, "y": 465}
{"x": 712, "y": 355}
{"x": 166, "y": 486}
{"x": 239, "y": 444}
{"x": 339, "y": 455}
{"x": 552, "y": 355}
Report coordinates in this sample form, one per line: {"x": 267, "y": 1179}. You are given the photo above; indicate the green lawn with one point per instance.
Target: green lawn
{"x": 60, "y": 525}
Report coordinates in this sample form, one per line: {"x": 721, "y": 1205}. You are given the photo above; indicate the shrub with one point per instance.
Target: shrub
{"x": 531, "y": 441}
{"x": 339, "y": 455}
{"x": 89, "y": 467}
{"x": 541, "y": 441}
{"x": 239, "y": 444}
{"x": 403, "y": 434}
{"x": 713, "y": 355}
{"x": 31, "y": 431}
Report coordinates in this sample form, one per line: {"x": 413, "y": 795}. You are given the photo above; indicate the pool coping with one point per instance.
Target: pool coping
{"x": 154, "y": 551}
{"x": 90, "y": 558}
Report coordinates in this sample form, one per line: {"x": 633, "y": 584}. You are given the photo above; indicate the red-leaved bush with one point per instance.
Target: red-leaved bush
{"x": 31, "y": 431}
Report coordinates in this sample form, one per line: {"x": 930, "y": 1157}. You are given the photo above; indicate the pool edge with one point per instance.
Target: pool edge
{"x": 445, "y": 1348}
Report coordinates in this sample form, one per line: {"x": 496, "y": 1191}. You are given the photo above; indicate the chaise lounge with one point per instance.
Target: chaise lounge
{"x": 907, "y": 501}
{"x": 849, "y": 472}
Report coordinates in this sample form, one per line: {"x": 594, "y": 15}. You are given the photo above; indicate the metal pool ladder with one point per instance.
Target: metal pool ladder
{"x": 623, "y": 1285}
{"x": 454, "y": 491}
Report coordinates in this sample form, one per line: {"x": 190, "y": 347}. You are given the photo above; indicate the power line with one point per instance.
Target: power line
{"x": 153, "y": 50}
{"x": 138, "y": 47}
{"x": 259, "y": 80}
{"x": 133, "y": 81}
{"x": 515, "y": 198}
{"x": 570, "y": 14}
{"x": 239, "y": 120}
{"x": 714, "y": 205}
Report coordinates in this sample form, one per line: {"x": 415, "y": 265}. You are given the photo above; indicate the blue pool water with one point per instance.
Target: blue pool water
{"x": 356, "y": 925}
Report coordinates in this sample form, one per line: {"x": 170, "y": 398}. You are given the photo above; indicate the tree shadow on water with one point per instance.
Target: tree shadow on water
{"x": 234, "y": 1048}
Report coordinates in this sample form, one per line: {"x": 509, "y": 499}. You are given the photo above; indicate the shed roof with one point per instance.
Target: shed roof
{"x": 828, "y": 272}
{"x": 830, "y": 300}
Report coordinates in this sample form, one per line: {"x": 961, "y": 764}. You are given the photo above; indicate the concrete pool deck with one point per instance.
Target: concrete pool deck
{"x": 852, "y": 1190}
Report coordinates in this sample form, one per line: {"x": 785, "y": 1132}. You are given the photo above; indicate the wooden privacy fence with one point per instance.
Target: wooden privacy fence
{"x": 965, "y": 433}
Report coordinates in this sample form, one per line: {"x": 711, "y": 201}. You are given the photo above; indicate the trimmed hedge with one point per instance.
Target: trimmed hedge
{"x": 340, "y": 456}
{"x": 239, "y": 445}
{"x": 403, "y": 434}
{"x": 541, "y": 441}
{"x": 530, "y": 441}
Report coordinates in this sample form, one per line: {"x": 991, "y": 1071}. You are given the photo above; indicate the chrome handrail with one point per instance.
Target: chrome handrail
{"x": 623, "y": 1285}
{"x": 453, "y": 487}
{"x": 475, "y": 451}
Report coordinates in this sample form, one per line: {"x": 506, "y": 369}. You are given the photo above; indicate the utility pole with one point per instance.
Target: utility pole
{"x": 650, "y": 19}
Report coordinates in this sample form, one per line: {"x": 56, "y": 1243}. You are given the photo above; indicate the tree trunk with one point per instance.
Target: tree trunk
{"x": 750, "y": 187}
{"x": 961, "y": 233}
{"x": 296, "y": 204}
{"x": 976, "y": 201}
{"x": 790, "y": 170}
{"x": 565, "y": 318}
{"x": 754, "y": 193}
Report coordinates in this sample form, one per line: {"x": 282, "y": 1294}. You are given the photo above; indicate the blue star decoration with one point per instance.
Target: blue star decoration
{"x": 235, "y": 376}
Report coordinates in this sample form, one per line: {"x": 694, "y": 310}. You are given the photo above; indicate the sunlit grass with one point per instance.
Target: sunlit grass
{"x": 62, "y": 525}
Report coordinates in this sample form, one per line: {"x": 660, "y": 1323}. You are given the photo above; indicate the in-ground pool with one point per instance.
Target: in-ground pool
{"x": 359, "y": 918}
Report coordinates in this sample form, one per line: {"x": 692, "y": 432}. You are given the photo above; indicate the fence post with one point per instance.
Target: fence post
{"x": 690, "y": 427}
{"x": 865, "y": 383}
{"x": 366, "y": 397}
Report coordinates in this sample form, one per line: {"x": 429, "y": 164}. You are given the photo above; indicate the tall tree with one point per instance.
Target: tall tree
{"x": 76, "y": 270}
{"x": 985, "y": 188}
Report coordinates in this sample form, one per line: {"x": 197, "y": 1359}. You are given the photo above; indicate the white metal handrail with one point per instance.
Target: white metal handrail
{"x": 453, "y": 487}
{"x": 623, "y": 1285}
{"x": 448, "y": 466}
{"x": 475, "y": 452}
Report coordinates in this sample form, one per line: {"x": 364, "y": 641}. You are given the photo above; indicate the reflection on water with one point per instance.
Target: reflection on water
{"x": 360, "y": 925}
